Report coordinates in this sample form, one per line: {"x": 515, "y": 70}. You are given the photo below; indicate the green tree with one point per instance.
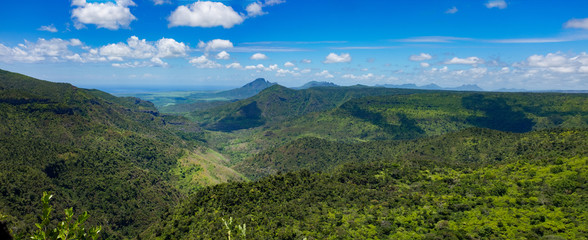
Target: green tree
{"x": 68, "y": 229}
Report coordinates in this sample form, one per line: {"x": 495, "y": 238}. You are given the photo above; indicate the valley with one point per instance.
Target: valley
{"x": 317, "y": 162}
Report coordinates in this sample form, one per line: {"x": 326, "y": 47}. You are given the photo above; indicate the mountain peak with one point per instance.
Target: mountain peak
{"x": 312, "y": 84}
{"x": 257, "y": 83}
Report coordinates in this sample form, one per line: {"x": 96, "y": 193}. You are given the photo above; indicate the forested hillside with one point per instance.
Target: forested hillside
{"x": 114, "y": 157}
{"x": 277, "y": 103}
{"x": 490, "y": 185}
{"x": 390, "y": 114}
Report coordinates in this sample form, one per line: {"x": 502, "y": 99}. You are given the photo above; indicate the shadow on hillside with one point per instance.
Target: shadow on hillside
{"x": 498, "y": 114}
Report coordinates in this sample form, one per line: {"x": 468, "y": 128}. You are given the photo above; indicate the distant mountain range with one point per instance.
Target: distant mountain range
{"x": 465, "y": 87}
{"x": 247, "y": 90}
{"x": 312, "y": 84}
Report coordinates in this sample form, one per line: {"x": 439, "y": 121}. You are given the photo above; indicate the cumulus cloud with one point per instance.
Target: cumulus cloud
{"x": 334, "y": 58}
{"x": 359, "y": 77}
{"x": 204, "y": 62}
{"x": 54, "y": 50}
{"x": 425, "y": 65}
{"x": 205, "y": 14}
{"x": 254, "y": 67}
{"x": 577, "y": 23}
{"x": 289, "y": 64}
{"x": 104, "y": 15}
{"x": 223, "y": 55}
{"x": 161, "y": 2}
{"x": 167, "y": 47}
{"x": 306, "y": 61}
{"x": 324, "y": 74}
{"x": 136, "y": 48}
{"x": 49, "y": 28}
{"x": 254, "y": 9}
{"x": 154, "y": 62}
{"x": 284, "y": 72}
{"x": 215, "y": 44}
{"x": 234, "y": 65}
{"x": 468, "y": 61}
{"x": 261, "y": 67}
{"x": 421, "y": 57}
{"x": 452, "y": 10}
{"x": 442, "y": 70}
{"x": 258, "y": 56}
{"x": 560, "y": 63}
{"x": 501, "y": 4}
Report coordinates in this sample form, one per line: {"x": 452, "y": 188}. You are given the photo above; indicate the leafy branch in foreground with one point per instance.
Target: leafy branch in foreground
{"x": 229, "y": 226}
{"x": 68, "y": 229}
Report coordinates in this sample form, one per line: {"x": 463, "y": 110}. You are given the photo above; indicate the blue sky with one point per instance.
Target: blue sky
{"x": 495, "y": 44}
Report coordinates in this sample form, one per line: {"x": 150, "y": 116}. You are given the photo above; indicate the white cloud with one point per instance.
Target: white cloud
{"x": 49, "y": 28}
{"x": 168, "y": 47}
{"x": 334, "y": 58}
{"x": 104, "y": 15}
{"x": 54, "y": 50}
{"x": 154, "y": 62}
{"x": 273, "y": 2}
{"x": 306, "y": 61}
{"x": 141, "y": 49}
{"x": 324, "y": 74}
{"x": 78, "y": 2}
{"x": 560, "y": 63}
{"x": 158, "y": 62}
{"x": 75, "y": 42}
{"x": 161, "y": 2}
{"x": 501, "y": 4}
{"x": 258, "y": 56}
{"x": 425, "y": 65}
{"x": 223, "y": 55}
{"x": 452, "y": 10}
{"x": 253, "y": 67}
{"x": 577, "y": 23}
{"x": 134, "y": 48}
{"x": 284, "y": 72}
{"x": 254, "y": 10}
{"x": 421, "y": 57}
{"x": 359, "y": 77}
{"x": 235, "y": 65}
{"x": 205, "y": 14}
{"x": 444, "y": 69}
{"x": 215, "y": 44}
{"x": 273, "y": 67}
{"x": 289, "y": 64}
{"x": 261, "y": 67}
{"x": 469, "y": 61}
{"x": 204, "y": 62}
{"x": 306, "y": 70}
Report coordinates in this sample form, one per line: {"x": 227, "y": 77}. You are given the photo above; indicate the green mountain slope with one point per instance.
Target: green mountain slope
{"x": 114, "y": 157}
{"x": 400, "y": 116}
{"x": 312, "y": 84}
{"x": 435, "y": 113}
{"x": 247, "y": 90}
{"x": 493, "y": 186}
{"x": 467, "y": 148}
{"x": 277, "y": 103}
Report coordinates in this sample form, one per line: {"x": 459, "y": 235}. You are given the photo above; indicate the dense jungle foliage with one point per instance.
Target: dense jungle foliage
{"x": 113, "y": 157}
{"x": 403, "y": 114}
{"x": 535, "y": 188}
